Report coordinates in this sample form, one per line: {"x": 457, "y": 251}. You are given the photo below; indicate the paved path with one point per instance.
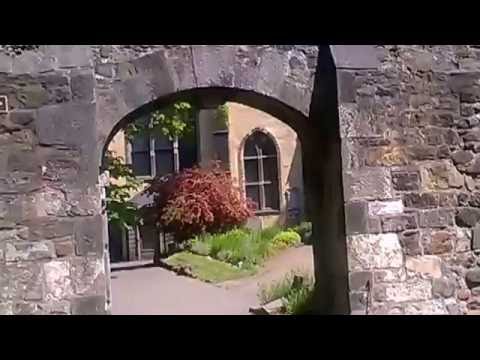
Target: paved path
{"x": 156, "y": 291}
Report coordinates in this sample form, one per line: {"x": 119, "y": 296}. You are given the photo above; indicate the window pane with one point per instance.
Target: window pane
{"x": 149, "y": 236}
{"x": 253, "y": 194}
{"x": 261, "y": 140}
{"x": 187, "y": 147}
{"x": 250, "y": 149}
{"x": 221, "y": 146}
{"x": 270, "y": 172}
{"x": 163, "y": 162}
{"x": 162, "y": 141}
{"x": 271, "y": 196}
{"x": 140, "y": 143}
{"x": 251, "y": 171}
{"x": 141, "y": 163}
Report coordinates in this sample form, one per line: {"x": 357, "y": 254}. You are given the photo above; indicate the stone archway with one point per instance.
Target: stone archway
{"x": 67, "y": 101}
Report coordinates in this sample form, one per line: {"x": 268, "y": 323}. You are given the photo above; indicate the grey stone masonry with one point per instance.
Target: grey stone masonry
{"x": 396, "y": 125}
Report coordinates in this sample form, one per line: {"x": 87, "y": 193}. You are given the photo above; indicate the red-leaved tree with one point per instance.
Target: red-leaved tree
{"x": 197, "y": 200}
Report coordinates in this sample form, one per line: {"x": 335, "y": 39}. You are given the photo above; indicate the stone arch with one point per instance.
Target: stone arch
{"x": 72, "y": 98}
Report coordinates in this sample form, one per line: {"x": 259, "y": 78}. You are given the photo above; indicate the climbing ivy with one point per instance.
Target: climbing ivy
{"x": 120, "y": 210}
{"x": 221, "y": 116}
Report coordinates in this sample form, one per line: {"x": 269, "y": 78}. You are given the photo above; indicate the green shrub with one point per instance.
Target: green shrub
{"x": 200, "y": 247}
{"x": 276, "y": 290}
{"x": 269, "y": 233}
{"x": 304, "y": 229}
{"x": 296, "y": 297}
{"x": 286, "y": 239}
{"x": 299, "y": 300}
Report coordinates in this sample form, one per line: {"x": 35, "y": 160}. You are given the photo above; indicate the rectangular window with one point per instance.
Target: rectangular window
{"x": 141, "y": 156}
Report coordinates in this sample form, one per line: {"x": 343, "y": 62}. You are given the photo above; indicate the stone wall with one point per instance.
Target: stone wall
{"x": 51, "y": 250}
{"x": 411, "y": 165}
{"x": 411, "y": 160}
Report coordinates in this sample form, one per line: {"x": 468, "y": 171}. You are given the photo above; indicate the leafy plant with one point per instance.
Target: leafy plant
{"x": 305, "y": 231}
{"x": 299, "y": 300}
{"x": 173, "y": 121}
{"x": 286, "y": 239}
{"x": 296, "y": 296}
{"x": 221, "y": 116}
{"x": 197, "y": 201}
{"x": 120, "y": 210}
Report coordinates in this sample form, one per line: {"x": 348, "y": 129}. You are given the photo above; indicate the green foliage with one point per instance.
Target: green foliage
{"x": 296, "y": 296}
{"x": 120, "y": 210}
{"x": 221, "y": 116}
{"x": 286, "y": 239}
{"x": 239, "y": 247}
{"x": 299, "y": 300}
{"x": 276, "y": 290}
{"x": 206, "y": 269}
{"x": 173, "y": 121}
{"x": 305, "y": 231}
{"x": 269, "y": 233}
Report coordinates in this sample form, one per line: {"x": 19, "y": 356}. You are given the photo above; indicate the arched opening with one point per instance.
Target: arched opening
{"x": 260, "y": 151}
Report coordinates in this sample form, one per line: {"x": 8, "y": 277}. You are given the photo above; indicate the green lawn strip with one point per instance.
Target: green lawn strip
{"x": 207, "y": 269}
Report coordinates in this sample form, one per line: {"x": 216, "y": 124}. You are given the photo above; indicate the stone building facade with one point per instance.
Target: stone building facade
{"x": 389, "y": 140}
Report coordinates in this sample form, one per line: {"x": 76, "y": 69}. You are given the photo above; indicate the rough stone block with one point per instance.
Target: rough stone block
{"x": 432, "y": 307}
{"x": 399, "y": 223}
{"x": 438, "y": 218}
{"x": 106, "y": 70}
{"x": 410, "y": 241}
{"x": 48, "y": 228}
{"x": 6, "y": 308}
{"x": 462, "y": 157}
{"x": 374, "y": 252}
{"x": 443, "y": 288}
{"x": 356, "y": 218}
{"x": 69, "y": 56}
{"x": 83, "y": 85}
{"x": 472, "y": 278}
{"x": 422, "y": 152}
{"x": 438, "y": 242}
{"x": 386, "y": 156}
{"x": 88, "y": 236}
{"x": 441, "y": 176}
{"x": 467, "y": 217}
{"x": 372, "y": 183}
{"x": 389, "y": 207}
{"x": 359, "y": 280}
{"x": 347, "y": 86}
{"x": 405, "y": 181}
{"x": 430, "y": 266}
{"x": 420, "y": 201}
{"x": 390, "y": 275}
{"x": 57, "y": 280}
{"x": 413, "y": 290}
{"x": 476, "y": 238}
{"x": 89, "y": 305}
{"x": 55, "y": 125}
{"x": 18, "y": 251}
{"x": 88, "y": 276}
{"x": 358, "y": 301}
{"x": 64, "y": 248}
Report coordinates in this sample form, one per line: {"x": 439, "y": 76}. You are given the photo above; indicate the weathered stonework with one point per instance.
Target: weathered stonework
{"x": 402, "y": 131}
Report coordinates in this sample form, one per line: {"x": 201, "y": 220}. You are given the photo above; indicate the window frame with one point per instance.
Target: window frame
{"x": 261, "y": 182}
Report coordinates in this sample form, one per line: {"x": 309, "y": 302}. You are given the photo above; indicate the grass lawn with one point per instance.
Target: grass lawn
{"x": 207, "y": 269}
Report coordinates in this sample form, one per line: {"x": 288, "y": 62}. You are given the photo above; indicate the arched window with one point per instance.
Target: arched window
{"x": 261, "y": 172}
